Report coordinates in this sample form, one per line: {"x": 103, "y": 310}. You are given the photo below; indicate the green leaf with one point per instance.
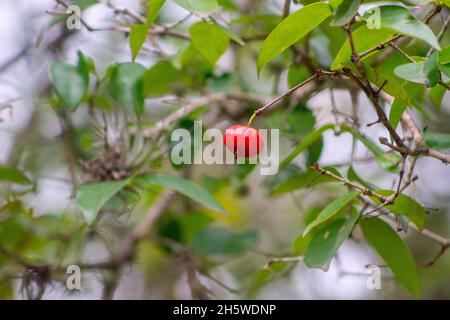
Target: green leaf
{"x": 405, "y": 206}
{"x": 230, "y": 32}
{"x": 327, "y": 240}
{"x": 297, "y": 73}
{"x": 185, "y": 187}
{"x": 345, "y": 12}
{"x": 198, "y": 6}
{"x": 163, "y": 78}
{"x": 386, "y": 160}
{"x": 70, "y": 82}
{"x": 11, "y": 175}
{"x": 330, "y": 210}
{"x": 220, "y": 241}
{"x": 364, "y": 40}
{"x": 444, "y": 55}
{"x": 400, "y": 20}
{"x": 138, "y": 33}
{"x": 393, "y": 251}
{"x": 126, "y": 85}
{"x": 265, "y": 276}
{"x": 422, "y": 72}
{"x": 353, "y": 176}
{"x": 430, "y": 70}
{"x": 304, "y": 179}
{"x": 391, "y": 85}
{"x": 397, "y": 109}
{"x": 92, "y": 197}
{"x": 305, "y": 143}
{"x": 153, "y": 9}
{"x": 291, "y": 30}
{"x": 209, "y": 40}
{"x": 437, "y": 140}
{"x": 437, "y": 94}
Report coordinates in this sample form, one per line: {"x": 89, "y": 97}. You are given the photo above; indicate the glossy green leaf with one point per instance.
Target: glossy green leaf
{"x": 11, "y": 175}
{"x": 330, "y": 210}
{"x": 405, "y": 206}
{"x": 198, "y": 6}
{"x": 126, "y": 85}
{"x": 437, "y": 140}
{"x": 291, "y": 30}
{"x": 305, "y": 179}
{"x": 397, "y": 109}
{"x": 209, "y": 40}
{"x": 220, "y": 241}
{"x": 345, "y": 12}
{"x": 185, "y": 187}
{"x": 364, "y": 39}
{"x": 92, "y": 197}
{"x": 400, "y": 20}
{"x": 327, "y": 239}
{"x": 70, "y": 82}
{"x": 394, "y": 252}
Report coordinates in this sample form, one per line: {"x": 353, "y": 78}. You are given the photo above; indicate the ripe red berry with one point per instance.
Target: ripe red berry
{"x": 243, "y": 141}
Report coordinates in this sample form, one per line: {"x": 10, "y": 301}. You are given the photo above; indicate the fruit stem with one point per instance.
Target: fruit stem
{"x": 251, "y": 119}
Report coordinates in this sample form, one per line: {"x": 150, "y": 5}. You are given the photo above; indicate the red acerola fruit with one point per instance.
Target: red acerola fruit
{"x": 244, "y": 141}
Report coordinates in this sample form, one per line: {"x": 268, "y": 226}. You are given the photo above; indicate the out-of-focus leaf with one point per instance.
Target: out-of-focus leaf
{"x": 353, "y": 176}
{"x": 265, "y": 276}
{"x": 393, "y": 251}
{"x": 70, "y": 82}
{"x": 327, "y": 239}
{"x": 397, "y": 109}
{"x": 220, "y": 241}
{"x": 305, "y": 143}
{"x": 405, "y": 206}
{"x": 92, "y": 197}
{"x": 202, "y": 7}
{"x": 183, "y": 186}
{"x": 364, "y": 40}
{"x": 291, "y": 30}
{"x": 164, "y": 78}
{"x": 437, "y": 140}
{"x": 437, "y": 94}
{"x": 138, "y": 35}
{"x": 297, "y": 73}
{"x": 330, "y": 210}
{"x": 230, "y": 32}
{"x": 209, "y": 40}
{"x": 444, "y": 55}
{"x": 126, "y": 86}
{"x": 305, "y": 179}
{"x": 345, "y": 12}
{"x": 400, "y": 20}
{"x": 11, "y": 175}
